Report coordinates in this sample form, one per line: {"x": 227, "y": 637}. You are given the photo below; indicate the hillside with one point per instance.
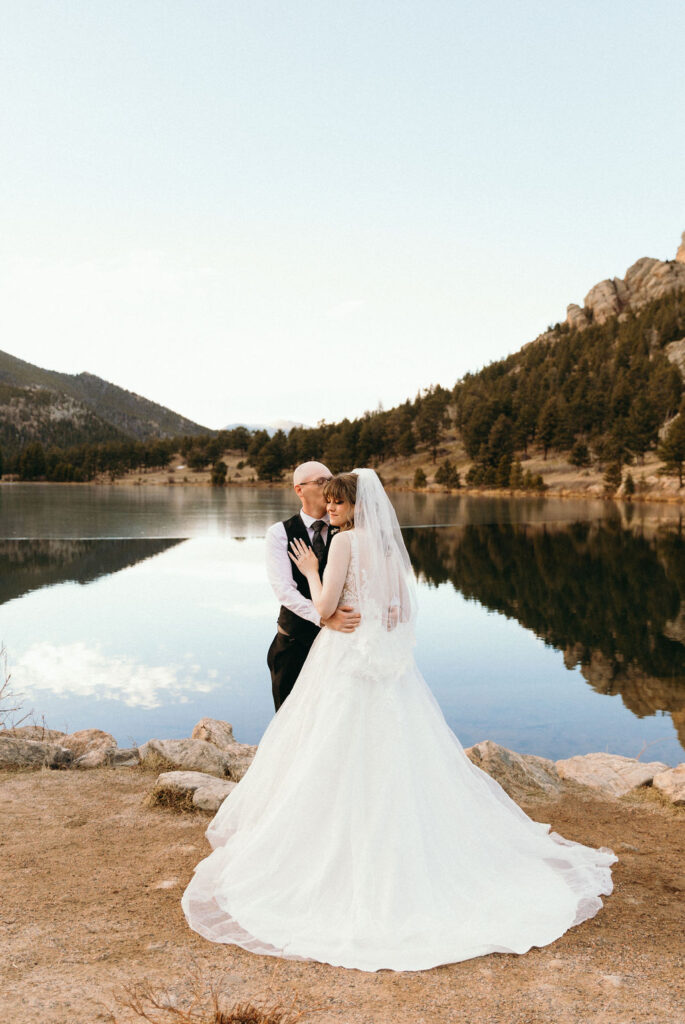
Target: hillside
{"x": 595, "y": 405}
{"x": 602, "y": 385}
{"x": 65, "y": 409}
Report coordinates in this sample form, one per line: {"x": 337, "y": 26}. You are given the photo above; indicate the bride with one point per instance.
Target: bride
{"x": 362, "y": 835}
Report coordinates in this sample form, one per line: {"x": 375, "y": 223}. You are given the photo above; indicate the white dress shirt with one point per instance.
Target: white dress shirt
{"x": 279, "y": 568}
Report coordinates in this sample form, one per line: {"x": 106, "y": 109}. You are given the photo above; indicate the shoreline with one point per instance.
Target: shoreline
{"x": 646, "y": 497}
{"x": 93, "y": 903}
{"x": 561, "y": 479}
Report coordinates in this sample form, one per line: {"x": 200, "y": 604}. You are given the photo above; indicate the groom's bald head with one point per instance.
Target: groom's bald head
{"x": 308, "y": 481}
{"x": 310, "y": 471}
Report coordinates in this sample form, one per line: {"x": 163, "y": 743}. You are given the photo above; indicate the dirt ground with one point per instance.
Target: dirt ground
{"x": 91, "y": 885}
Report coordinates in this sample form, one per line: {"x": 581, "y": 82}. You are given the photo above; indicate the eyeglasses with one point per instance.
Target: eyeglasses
{"x": 319, "y": 483}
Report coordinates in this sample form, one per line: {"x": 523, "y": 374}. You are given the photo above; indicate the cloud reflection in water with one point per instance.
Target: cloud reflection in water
{"x": 78, "y": 669}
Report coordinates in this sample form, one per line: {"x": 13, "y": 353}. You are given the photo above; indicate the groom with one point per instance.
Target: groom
{"x": 298, "y": 621}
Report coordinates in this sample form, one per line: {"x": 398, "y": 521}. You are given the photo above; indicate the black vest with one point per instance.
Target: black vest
{"x": 294, "y": 625}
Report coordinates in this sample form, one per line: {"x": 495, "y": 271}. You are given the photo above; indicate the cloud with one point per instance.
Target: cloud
{"x": 79, "y": 670}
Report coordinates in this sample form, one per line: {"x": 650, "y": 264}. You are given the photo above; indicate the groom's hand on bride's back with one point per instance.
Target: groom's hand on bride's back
{"x": 345, "y": 619}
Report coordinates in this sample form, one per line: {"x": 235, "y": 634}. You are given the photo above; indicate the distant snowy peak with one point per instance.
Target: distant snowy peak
{"x": 285, "y": 425}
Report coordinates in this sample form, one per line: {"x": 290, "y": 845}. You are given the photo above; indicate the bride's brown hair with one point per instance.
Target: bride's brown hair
{"x": 342, "y": 487}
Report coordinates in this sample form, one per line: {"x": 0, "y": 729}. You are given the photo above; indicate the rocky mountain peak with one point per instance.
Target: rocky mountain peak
{"x": 646, "y": 280}
{"x": 680, "y": 255}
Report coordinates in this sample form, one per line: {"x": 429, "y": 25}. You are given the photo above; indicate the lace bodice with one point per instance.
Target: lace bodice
{"x": 349, "y": 595}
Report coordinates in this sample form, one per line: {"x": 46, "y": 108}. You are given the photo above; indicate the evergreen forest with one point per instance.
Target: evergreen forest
{"x": 604, "y": 396}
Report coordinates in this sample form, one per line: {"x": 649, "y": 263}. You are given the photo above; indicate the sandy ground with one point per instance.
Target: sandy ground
{"x": 91, "y": 887}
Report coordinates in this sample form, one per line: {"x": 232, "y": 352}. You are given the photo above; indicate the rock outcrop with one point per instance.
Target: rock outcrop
{"x": 612, "y": 774}
{"x": 186, "y": 755}
{"x": 644, "y": 281}
{"x": 188, "y": 790}
{"x": 522, "y": 776}
{"x": 33, "y": 732}
{"x": 672, "y": 784}
{"x": 89, "y": 746}
{"x": 213, "y": 730}
{"x": 680, "y": 255}
{"x": 20, "y": 753}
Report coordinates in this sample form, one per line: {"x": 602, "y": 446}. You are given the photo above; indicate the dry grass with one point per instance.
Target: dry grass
{"x": 649, "y": 797}
{"x": 207, "y": 1003}
{"x": 172, "y": 799}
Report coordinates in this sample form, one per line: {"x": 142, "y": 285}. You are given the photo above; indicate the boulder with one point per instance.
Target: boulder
{"x": 87, "y": 741}
{"x": 187, "y": 790}
{"x": 188, "y": 755}
{"x": 612, "y": 774}
{"x": 241, "y": 756}
{"x": 123, "y": 757}
{"x": 95, "y": 758}
{"x": 112, "y": 757}
{"x": 520, "y": 775}
{"x": 34, "y": 732}
{"x": 20, "y": 753}
{"x": 672, "y": 784}
{"x": 213, "y": 730}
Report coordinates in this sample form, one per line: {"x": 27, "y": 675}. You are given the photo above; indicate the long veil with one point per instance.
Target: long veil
{"x": 385, "y": 579}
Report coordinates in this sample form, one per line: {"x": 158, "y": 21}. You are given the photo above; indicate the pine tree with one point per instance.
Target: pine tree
{"x": 547, "y": 425}
{"x": 503, "y": 471}
{"x": 672, "y": 448}
{"x": 516, "y": 476}
{"x": 448, "y": 475}
{"x": 219, "y": 470}
{"x": 580, "y": 455}
{"x": 612, "y": 477}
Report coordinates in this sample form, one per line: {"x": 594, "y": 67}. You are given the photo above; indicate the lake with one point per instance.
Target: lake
{"x": 552, "y": 627}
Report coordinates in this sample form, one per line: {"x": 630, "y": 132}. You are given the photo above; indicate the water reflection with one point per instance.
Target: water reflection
{"x": 610, "y": 599}
{"x": 85, "y": 670}
{"x": 27, "y": 565}
{"x": 533, "y": 614}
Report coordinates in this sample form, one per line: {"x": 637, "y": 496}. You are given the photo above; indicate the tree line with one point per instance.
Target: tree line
{"x": 600, "y": 395}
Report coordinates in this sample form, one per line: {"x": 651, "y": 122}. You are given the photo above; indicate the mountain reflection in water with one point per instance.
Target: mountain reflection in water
{"x": 27, "y": 565}
{"x": 611, "y": 600}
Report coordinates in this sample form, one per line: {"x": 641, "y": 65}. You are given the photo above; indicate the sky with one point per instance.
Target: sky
{"x": 249, "y": 210}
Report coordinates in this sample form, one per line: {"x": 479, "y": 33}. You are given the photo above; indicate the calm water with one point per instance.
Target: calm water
{"x": 551, "y": 627}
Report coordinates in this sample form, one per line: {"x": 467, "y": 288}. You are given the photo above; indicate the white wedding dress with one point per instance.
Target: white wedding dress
{"x": 363, "y": 836}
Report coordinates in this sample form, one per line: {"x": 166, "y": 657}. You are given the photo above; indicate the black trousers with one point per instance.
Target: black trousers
{"x": 285, "y": 659}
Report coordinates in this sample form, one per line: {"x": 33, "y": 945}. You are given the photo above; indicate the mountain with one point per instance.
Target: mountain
{"x": 271, "y": 428}
{"x": 603, "y": 385}
{"x": 65, "y": 409}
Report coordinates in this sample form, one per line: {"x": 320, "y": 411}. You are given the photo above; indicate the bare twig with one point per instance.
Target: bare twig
{"x": 651, "y": 743}
{"x": 7, "y": 696}
{"x": 208, "y": 1003}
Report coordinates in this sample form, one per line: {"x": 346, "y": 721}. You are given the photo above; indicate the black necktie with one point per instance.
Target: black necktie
{"x": 318, "y": 546}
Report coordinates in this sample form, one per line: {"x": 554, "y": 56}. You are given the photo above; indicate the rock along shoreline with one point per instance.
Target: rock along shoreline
{"x": 199, "y": 772}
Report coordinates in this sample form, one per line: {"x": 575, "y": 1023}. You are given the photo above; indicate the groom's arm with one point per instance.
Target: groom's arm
{"x": 279, "y": 572}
